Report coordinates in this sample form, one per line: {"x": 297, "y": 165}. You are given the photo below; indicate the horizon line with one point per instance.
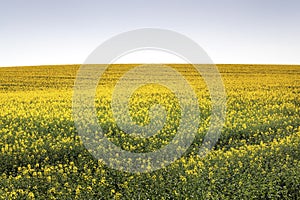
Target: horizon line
{"x": 44, "y": 65}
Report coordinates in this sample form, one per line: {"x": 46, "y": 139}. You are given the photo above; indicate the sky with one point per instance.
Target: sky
{"x": 40, "y": 32}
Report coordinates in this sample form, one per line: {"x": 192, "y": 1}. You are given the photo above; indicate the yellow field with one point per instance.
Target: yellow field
{"x": 257, "y": 154}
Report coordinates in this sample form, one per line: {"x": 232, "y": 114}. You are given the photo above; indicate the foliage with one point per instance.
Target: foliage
{"x": 256, "y": 157}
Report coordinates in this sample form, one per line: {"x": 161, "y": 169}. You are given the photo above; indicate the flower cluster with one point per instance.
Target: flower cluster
{"x": 257, "y": 155}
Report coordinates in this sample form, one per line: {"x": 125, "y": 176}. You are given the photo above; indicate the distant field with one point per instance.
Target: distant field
{"x": 256, "y": 157}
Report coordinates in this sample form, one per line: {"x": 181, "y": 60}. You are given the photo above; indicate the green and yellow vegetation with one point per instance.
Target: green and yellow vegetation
{"x": 256, "y": 157}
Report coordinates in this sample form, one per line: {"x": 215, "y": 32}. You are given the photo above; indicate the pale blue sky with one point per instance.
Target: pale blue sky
{"x": 38, "y": 32}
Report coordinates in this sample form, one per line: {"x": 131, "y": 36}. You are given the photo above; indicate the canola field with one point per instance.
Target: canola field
{"x": 256, "y": 157}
